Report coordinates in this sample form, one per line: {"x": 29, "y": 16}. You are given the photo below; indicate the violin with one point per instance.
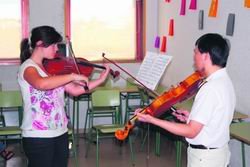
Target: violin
{"x": 65, "y": 65}
{"x": 164, "y": 102}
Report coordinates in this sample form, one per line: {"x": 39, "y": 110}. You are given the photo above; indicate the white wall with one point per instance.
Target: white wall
{"x": 181, "y": 45}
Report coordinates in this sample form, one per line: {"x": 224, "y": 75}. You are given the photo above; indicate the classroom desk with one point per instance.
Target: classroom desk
{"x": 76, "y": 109}
{"x": 241, "y": 132}
{"x": 187, "y": 105}
{"x": 239, "y": 116}
{"x": 127, "y": 89}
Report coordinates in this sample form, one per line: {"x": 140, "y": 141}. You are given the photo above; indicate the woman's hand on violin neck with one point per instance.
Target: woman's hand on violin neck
{"x": 105, "y": 73}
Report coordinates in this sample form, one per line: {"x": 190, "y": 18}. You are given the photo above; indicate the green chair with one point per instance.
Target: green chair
{"x": 104, "y": 103}
{"x": 140, "y": 95}
{"x": 11, "y": 101}
{"x": 86, "y": 97}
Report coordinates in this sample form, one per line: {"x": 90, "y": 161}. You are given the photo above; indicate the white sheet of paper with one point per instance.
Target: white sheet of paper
{"x": 152, "y": 69}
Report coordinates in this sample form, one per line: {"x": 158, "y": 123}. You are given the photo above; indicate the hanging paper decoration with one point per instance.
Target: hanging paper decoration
{"x": 201, "y": 19}
{"x": 183, "y": 7}
{"x": 171, "y": 27}
{"x": 167, "y": 1}
{"x": 164, "y": 44}
{"x": 193, "y": 5}
{"x": 247, "y": 3}
{"x": 157, "y": 42}
{"x": 230, "y": 24}
{"x": 213, "y": 8}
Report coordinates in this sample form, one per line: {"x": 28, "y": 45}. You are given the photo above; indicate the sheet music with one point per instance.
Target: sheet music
{"x": 152, "y": 69}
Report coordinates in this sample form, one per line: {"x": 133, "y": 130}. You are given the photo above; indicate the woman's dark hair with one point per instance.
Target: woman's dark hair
{"x": 217, "y": 46}
{"x": 48, "y": 35}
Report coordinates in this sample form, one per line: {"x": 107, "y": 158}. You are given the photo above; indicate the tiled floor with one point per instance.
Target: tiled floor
{"x": 111, "y": 157}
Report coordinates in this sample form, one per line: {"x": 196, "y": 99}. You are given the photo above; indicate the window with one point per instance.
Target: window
{"x": 110, "y": 26}
{"x": 13, "y": 27}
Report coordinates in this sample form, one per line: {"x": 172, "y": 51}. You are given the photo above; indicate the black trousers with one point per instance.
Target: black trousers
{"x": 47, "y": 152}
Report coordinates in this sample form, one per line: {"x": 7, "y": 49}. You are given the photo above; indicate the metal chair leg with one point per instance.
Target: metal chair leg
{"x": 97, "y": 149}
{"x": 74, "y": 148}
{"x": 243, "y": 154}
{"x": 178, "y": 152}
{"x": 132, "y": 156}
{"x": 157, "y": 143}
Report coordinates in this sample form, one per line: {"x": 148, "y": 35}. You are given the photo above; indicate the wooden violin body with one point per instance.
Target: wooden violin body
{"x": 164, "y": 102}
{"x": 63, "y": 65}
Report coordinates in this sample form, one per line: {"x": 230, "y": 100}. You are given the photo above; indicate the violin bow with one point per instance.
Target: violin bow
{"x": 74, "y": 60}
{"x": 111, "y": 61}
{"x": 148, "y": 89}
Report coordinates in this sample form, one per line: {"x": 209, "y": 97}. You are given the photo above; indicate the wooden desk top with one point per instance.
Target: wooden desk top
{"x": 186, "y": 104}
{"x": 241, "y": 131}
{"x": 239, "y": 116}
{"x": 128, "y": 89}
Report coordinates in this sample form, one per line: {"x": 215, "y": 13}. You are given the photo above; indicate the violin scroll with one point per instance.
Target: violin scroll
{"x": 123, "y": 134}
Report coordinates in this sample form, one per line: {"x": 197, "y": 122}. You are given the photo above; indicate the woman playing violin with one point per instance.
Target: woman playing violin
{"x": 44, "y": 126}
{"x": 206, "y": 127}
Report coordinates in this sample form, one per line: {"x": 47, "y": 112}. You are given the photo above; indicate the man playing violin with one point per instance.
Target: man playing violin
{"x": 206, "y": 127}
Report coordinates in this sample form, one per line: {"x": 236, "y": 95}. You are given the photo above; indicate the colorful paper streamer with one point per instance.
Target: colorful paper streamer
{"x": 171, "y": 27}
{"x": 193, "y": 5}
{"x": 157, "y": 42}
{"x": 213, "y": 8}
{"x": 247, "y": 3}
{"x": 183, "y": 7}
{"x": 164, "y": 44}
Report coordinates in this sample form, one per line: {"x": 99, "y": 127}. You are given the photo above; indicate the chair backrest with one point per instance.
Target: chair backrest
{"x": 107, "y": 84}
{"x": 10, "y": 98}
{"x": 106, "y": 103}
{"x": 105, "y": 98}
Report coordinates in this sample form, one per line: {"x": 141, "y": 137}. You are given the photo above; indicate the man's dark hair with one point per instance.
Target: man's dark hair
{"x": 216, "y": 46}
